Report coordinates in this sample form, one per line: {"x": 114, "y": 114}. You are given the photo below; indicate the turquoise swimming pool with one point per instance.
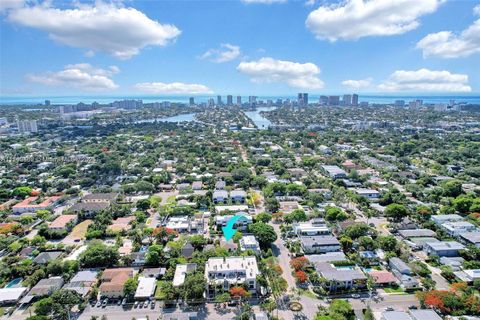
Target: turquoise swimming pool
{"x": 14, "y": 283}
{"x": 345, "y": 267}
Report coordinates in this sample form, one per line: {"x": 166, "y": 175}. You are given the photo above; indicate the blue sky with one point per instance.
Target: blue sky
{"x": 267, "y": 47}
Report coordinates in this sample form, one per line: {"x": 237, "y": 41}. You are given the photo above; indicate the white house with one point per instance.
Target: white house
{"x": 249, "y": 243}
{"x": 146, "y": 288}
{"x": 227, "y": 272}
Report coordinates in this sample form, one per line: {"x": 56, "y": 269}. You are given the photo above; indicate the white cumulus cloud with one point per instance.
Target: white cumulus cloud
{"x": 81, "y": 76}
{"x": 295, "y": 74}
{"x": 354, "y": 19}
{"x": 357, "y": 84}
{"x": 110, "y": 28}
{"x": 172, "y": 88}
{"x": 446, "y": 44}
{"x": 424, "y": 80}
{"x": 227, "y": 52}
{"x": 10, "y": 4}
{"x": 476, "y": 10}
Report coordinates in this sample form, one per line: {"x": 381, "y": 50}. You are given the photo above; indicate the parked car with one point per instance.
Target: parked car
{"x": 145, "y": 304}
{"x": 99, "y": 303}
{"x": 152, "y": 305}
{"x": 135, "y": 305}
{"x": 104, "y": 303}
{"x": 124, "y": 301}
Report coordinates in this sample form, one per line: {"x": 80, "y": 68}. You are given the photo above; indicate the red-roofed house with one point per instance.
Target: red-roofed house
{"x": 113, "y": 281}
{"x": 121, "y": 224}
{"x": 64, "y": 222}
{"x": 383, "y": 278}
{"x": 28, "y": 205}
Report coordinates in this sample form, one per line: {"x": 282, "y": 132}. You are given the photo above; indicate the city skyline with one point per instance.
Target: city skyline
{"x": 399, "y": 49}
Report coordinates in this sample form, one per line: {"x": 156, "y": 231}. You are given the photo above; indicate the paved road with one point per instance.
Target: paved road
{"x": 441, "y": 282}
{"x": 282, "y": 254}
{"x": 208, "y": 311}
{"x": 310, "y": 305}
{"x": 397, "y": 302}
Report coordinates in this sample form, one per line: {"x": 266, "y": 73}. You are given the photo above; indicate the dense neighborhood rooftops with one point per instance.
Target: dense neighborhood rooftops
{"x": 329, "y": 272}
{"x": 445, "y": 245}
{"x": 425, "y": 315}
{"x": 29, "y": 205}
{"x": 412, "y": 233}
{"x": 319, "y": 240}
{"x": 442, "y": 218}
{"x": 471, "y": 237}
{"x": 46, "y": 286}
{"x": 100, "y": 197}
{"x": 327, "y": 257}
{"x": 89, "y": 206}
{"x": 85, "y": 276}
{"x": 46, "y": 257}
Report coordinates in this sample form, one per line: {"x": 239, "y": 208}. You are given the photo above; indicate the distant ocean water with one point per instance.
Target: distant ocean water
{"x": 35, "y": 100}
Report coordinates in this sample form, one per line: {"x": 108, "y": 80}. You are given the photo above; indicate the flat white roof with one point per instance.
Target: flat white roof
{"x": 247, "y": 264}
{"x": 11, "y": 294}
{"x": 181, "y": 272}
{"x": 146, "y": 287}
{"x": 249, "y": 240}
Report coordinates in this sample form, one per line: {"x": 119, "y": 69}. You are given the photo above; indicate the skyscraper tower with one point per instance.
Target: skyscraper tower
{"x": 303, "y": 99}
{"x": 355, "y": 99}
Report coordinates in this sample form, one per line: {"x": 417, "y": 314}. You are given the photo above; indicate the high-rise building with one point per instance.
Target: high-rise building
{"x": 68, "y": 108}
{"x": 47, "y": 103}
{"x": 347, "y": 100}
{"x": 191, "y": 101}
{"x": 229, "y": 100}
{"x": 333, "y": 100}
{"x": 252, "y": 100}
{"x": 355, "y": 99}
{"x": 239, "y": 100}
{"x": 323, "y": 100}
{"x": 27, "y": 126}
{"x": 219, "y": 100}
{"x": 303, "y": 99}
{"x": 127, "y": 104}
{"x": 399, "y": 103}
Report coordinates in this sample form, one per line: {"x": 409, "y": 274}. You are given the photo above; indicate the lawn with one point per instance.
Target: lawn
{"x": 394, "y": 290}
{"x": 171, "y": 199}
{"x": 80, "y": 230}
{"x": 159, "y": 295}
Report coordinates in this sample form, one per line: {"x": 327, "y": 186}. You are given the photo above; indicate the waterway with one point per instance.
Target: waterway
{"x": 186, "y": 117}
{"x": 260, "y": 121}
